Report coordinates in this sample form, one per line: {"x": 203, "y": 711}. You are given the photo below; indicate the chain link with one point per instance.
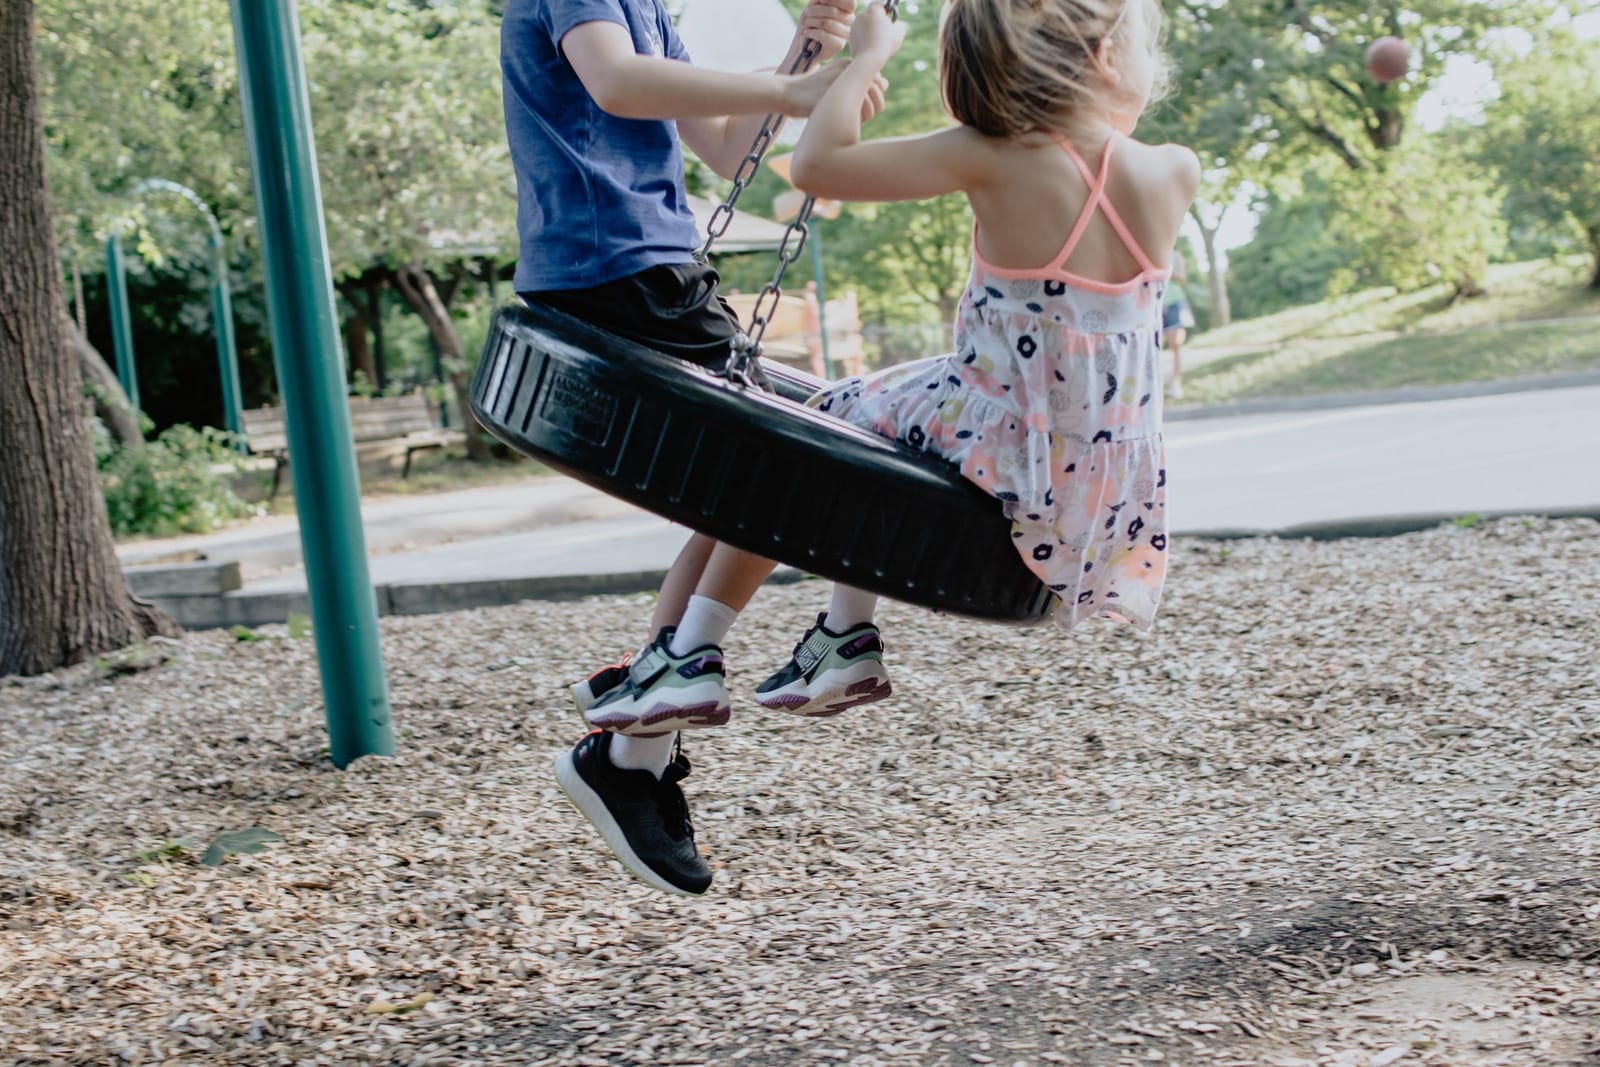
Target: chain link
{"x": 752, "y": 159}
{"x": 742, "y": 364}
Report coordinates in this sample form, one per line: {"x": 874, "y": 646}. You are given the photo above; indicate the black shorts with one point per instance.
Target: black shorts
{"x": 674, "y": 308}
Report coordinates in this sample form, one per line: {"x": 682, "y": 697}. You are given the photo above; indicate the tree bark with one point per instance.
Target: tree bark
{"x": 1385, "y": 133}
{"x": 78, "y": 309}
{"x": 63, "y": 597}
{"x": 100, "y": 382}
{"x": 380, "y": 361}
{"x": 417, "y": 286}
{"x": 357, "y": 329}
{"x": 1216, "y": 278}
{"x": 356, "y": 344}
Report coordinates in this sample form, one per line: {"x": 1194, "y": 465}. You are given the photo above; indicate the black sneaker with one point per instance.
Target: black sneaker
{"x": 645, "y": 821}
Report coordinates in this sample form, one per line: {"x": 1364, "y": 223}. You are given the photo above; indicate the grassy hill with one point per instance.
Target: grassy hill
{"x": 1538, "y": 318}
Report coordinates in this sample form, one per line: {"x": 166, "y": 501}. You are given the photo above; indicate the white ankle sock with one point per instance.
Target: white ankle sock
{"x": 850, "y": 607}
{"x": 642, "y": 753}
{"x": 705, "y": 622}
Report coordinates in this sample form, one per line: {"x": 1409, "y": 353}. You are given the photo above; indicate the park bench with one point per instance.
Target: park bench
{"x": 405, "y": 420}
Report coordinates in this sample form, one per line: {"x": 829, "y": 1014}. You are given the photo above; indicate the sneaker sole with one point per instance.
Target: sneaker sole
{"x": 837, "y": 694}
{"x": 591, "y": 807}
{"x": 664, "y": 719}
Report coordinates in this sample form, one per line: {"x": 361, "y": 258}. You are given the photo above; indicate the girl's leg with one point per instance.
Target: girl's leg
{"x": 674, "y": 607}
{"x": 728, "y": 580}
{"x": 849, "y": 608}
{"x": 838, "y": 664}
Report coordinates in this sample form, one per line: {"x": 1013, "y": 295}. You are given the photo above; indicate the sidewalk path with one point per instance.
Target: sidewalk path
{"x": 396, "y": 524}
{"x": 1306, "y": 473}
{"x": 1534, "y": 451}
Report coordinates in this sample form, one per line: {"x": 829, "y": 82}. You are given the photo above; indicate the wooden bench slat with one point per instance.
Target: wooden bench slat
{"x": 406, "y": 419}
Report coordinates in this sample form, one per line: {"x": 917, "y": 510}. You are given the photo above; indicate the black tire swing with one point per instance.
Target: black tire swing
{"x": 757, "y": 470}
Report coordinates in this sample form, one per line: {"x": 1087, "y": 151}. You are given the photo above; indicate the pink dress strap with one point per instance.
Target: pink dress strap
{"x": 1098, "y": 199}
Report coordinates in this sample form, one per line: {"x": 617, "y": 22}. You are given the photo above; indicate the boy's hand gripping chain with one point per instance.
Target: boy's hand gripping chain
{"x": 742, "y": 365}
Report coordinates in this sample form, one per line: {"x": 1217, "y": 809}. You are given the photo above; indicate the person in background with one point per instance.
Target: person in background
{"x": 1177, "y": 319}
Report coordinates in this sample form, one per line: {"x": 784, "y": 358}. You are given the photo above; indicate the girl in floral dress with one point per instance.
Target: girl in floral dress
{"x": 1051, "y": 400}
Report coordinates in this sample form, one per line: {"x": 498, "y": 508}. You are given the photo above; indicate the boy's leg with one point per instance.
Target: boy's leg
{"x": 628, "y": 786}
{"x": 643, "y": 817}
{"x": 676, "y": 309}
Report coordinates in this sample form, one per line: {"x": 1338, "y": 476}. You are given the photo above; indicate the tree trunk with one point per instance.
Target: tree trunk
{"x": 380, "y": 360}
{"x": 355, "y": 343}
{"x": 1594, "y": 251}
{"x": 1469, "y": 286}
{"x": 357, "y": 328}
{"x": 1216, "y": 279}
{"x": 101, "y": 384}
{"x": 416, "y": 285}
{"x": 63, "y": 597}
{"x": 77, "y": 297}
{"x": 1385, "y": 134}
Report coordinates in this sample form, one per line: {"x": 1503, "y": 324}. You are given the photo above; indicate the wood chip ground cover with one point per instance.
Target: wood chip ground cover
{"x": 1339, "y": 810}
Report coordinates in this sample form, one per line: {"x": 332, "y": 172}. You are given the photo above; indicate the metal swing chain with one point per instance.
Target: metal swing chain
{"x": 742, "y": 365}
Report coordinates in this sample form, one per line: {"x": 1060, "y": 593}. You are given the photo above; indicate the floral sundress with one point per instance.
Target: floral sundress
{"x": 1052, "y": 403}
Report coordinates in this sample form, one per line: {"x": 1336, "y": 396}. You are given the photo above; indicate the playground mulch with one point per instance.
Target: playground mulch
{"x": 1339, "y": 810}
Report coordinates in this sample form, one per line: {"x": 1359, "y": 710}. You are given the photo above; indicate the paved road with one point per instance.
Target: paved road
{"x": 1532, "y": 450}
{"x": 1527, "y": 451}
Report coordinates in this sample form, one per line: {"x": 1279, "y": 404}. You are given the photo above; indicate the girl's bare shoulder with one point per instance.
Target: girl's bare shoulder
{"x": 1171, "y": 165}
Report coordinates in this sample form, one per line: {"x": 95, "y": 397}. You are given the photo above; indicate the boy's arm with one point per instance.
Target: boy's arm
{"x": 722, "y": 142}
{"x": 633, "y": 86}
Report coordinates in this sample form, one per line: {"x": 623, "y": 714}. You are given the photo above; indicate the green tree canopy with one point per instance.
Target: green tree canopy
{"x": 1543, "y": 133}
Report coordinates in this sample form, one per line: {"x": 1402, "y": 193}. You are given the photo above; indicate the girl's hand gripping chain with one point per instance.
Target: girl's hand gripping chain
{"x": 875, "y": 36}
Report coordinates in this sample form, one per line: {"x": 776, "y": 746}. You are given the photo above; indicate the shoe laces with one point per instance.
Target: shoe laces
{"x": 806, "y": 637}
{"x": 669, "y": 797}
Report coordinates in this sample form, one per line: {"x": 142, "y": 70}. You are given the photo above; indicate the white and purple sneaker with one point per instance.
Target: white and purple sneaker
{"x": 829, "y": 673}
{"x": 664, "y": 693}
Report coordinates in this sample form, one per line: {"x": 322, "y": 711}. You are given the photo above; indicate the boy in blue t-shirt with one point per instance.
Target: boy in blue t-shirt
{"x": 597, "y": 95}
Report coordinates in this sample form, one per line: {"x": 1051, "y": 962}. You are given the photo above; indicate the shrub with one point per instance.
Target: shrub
{"x": 177, "y": 483}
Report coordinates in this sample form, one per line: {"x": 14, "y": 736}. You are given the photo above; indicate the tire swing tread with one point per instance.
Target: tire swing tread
{"x": 761, "y": 472}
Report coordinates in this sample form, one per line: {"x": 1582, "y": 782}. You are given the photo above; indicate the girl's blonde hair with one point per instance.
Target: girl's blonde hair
{"x": 1007, "y": 67}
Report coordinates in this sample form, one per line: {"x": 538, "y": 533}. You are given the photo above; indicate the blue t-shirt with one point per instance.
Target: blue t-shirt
{"x": 598, "y": 197}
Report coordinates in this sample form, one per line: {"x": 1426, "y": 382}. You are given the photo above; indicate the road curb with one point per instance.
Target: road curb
{"x": 242, "y": 607}
{"x": 1416, "y": 395}
{"x": 1384, "y": 525}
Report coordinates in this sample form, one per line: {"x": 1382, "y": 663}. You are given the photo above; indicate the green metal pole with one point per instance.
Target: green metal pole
{"x": 822, "y": 294}
{"x": 277, "y": 118}
{"x": 221, "y": 302}
{"x": 227, "y": 347}
{"x": 121, "y": 319}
